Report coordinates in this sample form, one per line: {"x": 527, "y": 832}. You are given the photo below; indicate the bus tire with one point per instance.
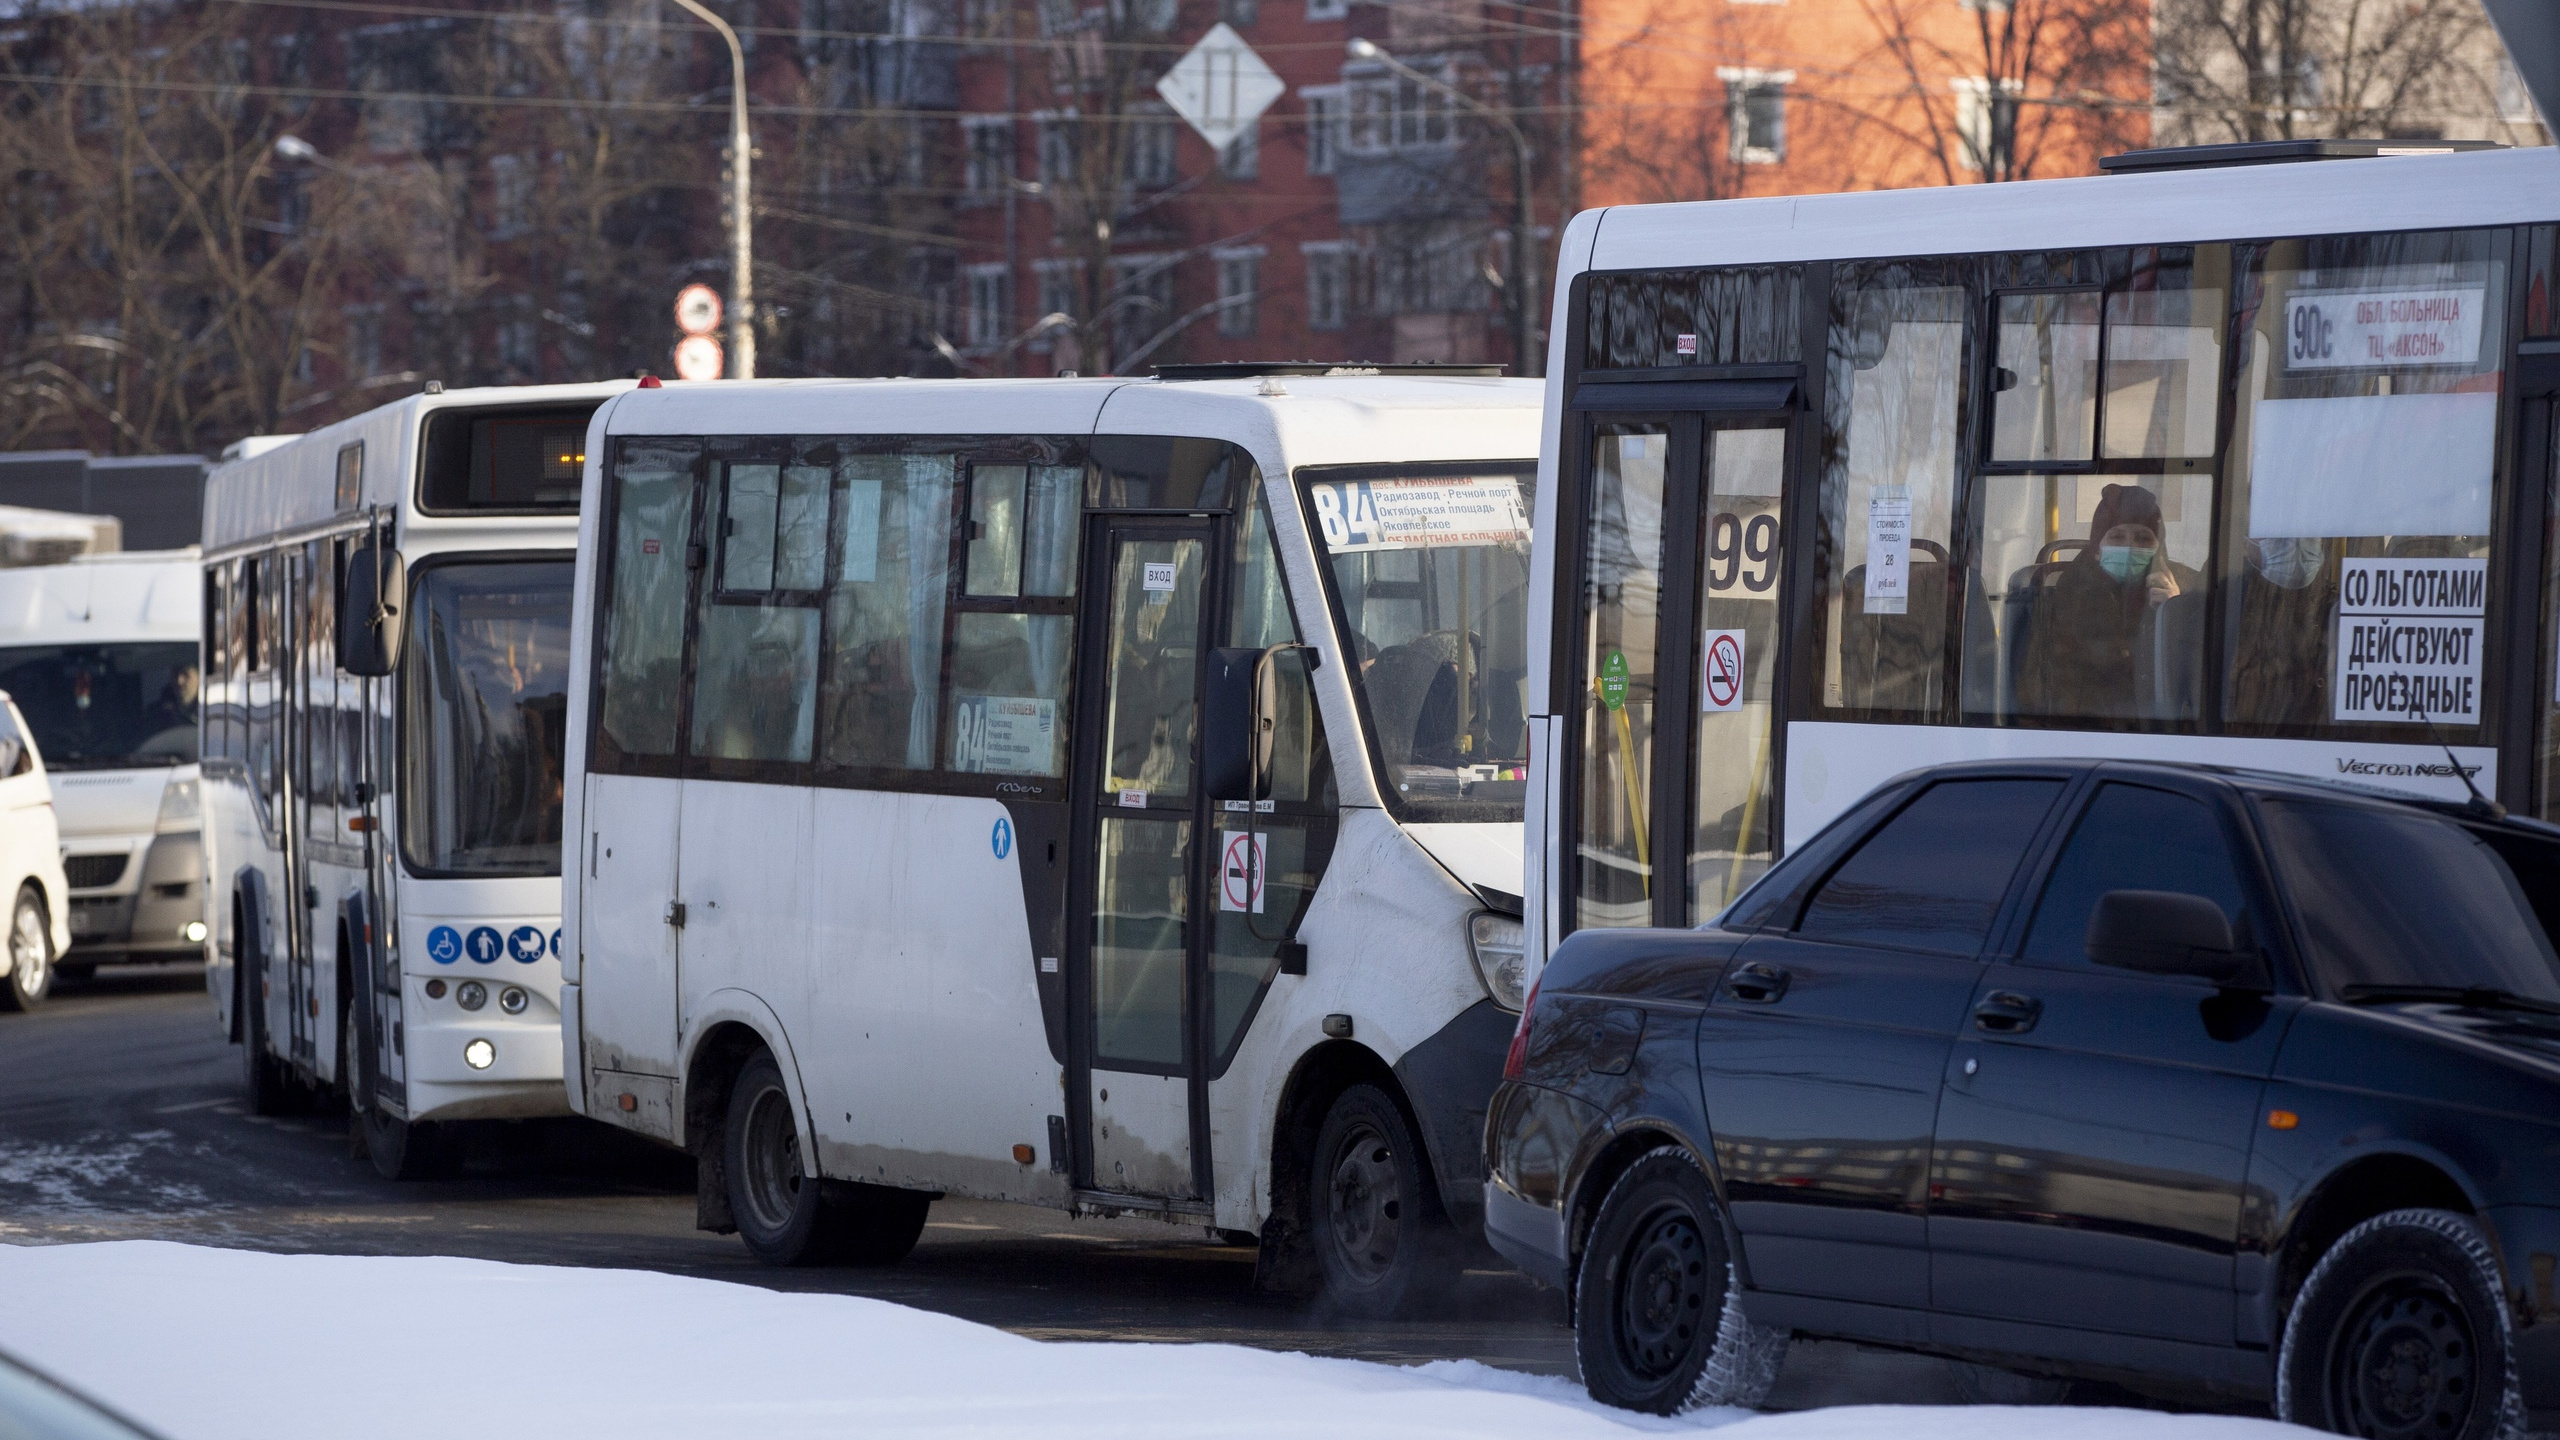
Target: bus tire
{"x": 872, "y": 1224}
{"x": 781, "y": 1211}
{"x": 1380, "y": 1241}
{"x": 1657, "y": 1319}
{"x": 271, "y": 1091}
{"x": 402, "y": 1151}
{"x": 30, "y": 953}
{"x": 2402, "y": 1329}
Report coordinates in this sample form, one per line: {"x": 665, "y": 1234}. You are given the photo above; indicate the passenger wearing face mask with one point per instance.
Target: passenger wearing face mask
{"x": 2090, "y": 620}
{"x": 2280, "y": 632}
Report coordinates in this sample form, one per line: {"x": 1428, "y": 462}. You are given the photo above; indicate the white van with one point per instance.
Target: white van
{"x": 30, "y": 868}
{"x": 101, "y": 656}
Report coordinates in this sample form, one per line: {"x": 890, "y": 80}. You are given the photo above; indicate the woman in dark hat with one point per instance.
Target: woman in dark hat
{"x": 2090, "y": 616}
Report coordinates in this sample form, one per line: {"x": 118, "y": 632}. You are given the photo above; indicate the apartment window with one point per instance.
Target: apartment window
{"x": 1142, "y": 296}
{"x": 990, "y": 144}
{"x": 1755, "y": 103}
{"x": 1395, "y": 112}
{"x": 516, "y": 336}
{"x": 510, "y": 196}
{"x": 1057, "y": 141}
{"x": 364, "y": 341}
{"x": 990, "y": 316}
{"x": 1328, "y": 284}
{"x": 1152, "y": 136}
{"x": 1986, "y": 123}
{"x": 1324, "y": 126}
{"x": 1056, "y": 282}
{"x": 1239, "y": 290}
{"x": 1240, "y": 13}
{"x": 1328, "y": 9}
{"x": 1241, "y": 158}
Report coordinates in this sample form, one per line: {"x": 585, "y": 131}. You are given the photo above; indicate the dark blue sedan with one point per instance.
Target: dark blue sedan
{"x": 2199, "y": 1081}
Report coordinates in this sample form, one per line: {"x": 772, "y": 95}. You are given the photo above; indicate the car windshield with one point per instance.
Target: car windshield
{"x": 1432, "y": 577}
{"x": 106, "y": 707}
{"x": 2400, "y": 900}
{"x": 485, "y": 706}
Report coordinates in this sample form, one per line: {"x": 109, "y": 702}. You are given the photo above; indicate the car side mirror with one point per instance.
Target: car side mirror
{"x": 369, "y": 606}
{"x": 2162, "y": 932}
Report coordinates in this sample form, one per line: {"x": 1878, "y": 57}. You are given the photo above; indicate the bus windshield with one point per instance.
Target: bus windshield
{"x": 106, "y": 707}
{"x": 1430, "y": 582}
{"x": 485, "y": 705}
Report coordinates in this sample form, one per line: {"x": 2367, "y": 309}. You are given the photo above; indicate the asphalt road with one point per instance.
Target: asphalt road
{"x": 121, "y": 1118}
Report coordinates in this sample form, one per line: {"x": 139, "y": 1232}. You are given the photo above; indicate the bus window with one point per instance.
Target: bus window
{"x": 509, "y": 461}
{"x": 651, "y": 492}
{"x": 1740, "y": 316}
{"x": 1888, "y": 487}
{"x": 485, "y": 698}
{"x": 885, "y": 608}
{"x": 1621, "y": 605}
{"x": 1431, "y": 574}
{"x": 755, "y": 682}
{"x": 2363, "y": 460}
{"x": 1009, "y": 668}
{"x": 1730, "y": 842}
{"x": 106, "y": 707}
{"x": 2094, "y": 557}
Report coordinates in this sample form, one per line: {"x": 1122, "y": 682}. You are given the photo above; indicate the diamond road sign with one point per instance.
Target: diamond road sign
{"x": 1221, "y": 86}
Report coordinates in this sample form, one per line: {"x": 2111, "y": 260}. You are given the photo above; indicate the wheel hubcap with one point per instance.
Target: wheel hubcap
{"x": 772, "y": 1161}
{"x": 2406, "y": 1368}
{"x": 1366, "y": 1204}
{"x": 27, "y": 950}
{"x": 1662, "y": 1304}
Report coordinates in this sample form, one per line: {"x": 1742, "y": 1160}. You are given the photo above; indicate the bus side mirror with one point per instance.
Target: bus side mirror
{"x": 369, "y": 619}
{"x": 1228, "y": 724}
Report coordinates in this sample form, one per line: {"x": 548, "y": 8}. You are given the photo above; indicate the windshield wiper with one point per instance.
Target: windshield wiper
{"x": 2475, "y": 997}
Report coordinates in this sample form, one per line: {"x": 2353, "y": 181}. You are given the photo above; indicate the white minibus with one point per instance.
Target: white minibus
{"x": 386, "y": 647}
{"x": 1102, "y": 794}
{"x": 100, "y": 655}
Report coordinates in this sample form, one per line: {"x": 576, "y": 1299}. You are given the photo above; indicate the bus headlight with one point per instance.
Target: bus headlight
{"x": 194, "y": 932}
{"x": 513, "y": 1000}
{"x": 179, "y": 807}
{"x": 1497, "y": 942}
{"x": 471, "y": 995}
{"x": 479, "y": 1054}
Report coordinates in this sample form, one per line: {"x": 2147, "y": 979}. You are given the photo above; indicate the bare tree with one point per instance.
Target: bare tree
{"x": 2234, "y": 70}
{"x": 1998, "y": 90}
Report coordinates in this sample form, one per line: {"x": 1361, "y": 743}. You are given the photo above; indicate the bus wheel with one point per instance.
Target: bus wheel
{"x": 30, "y": 954}
{"x": 1378, "y": 1238}
{"x": 402, "y": 1151}
{"x": 271, "y": 1091}
{"x": 780, "y": 1209}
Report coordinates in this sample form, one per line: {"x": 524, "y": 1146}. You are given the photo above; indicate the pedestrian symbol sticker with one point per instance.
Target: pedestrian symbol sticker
{"x": 444, "y": 944}
{"x": 1613, "y": 680}
{"x": 1240, "y": 873}
{"x": 526, "y": 944}
{"x": 1002, "y": 840}
{"x": 484, "y": 945}
{"x": 1720, "y": 671}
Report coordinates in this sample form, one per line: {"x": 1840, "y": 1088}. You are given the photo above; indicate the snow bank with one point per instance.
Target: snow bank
{"x": 208, "y": 1344}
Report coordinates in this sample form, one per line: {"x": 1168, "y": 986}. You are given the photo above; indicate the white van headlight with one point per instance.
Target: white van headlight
{"x": 1496, "y": 941}
{"x": 179, "y": 807}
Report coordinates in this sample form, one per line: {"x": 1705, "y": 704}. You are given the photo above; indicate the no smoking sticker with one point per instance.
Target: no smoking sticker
{"x": 1240, "y": 873}
{"x": 1720, "y": 671}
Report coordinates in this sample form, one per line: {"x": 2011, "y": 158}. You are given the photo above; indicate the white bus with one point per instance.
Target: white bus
{"x": 2248, "y": 466}
{"x": 386, "y": 642}
{"x": 100, "y": 655}
{"x": 920, "y": 847}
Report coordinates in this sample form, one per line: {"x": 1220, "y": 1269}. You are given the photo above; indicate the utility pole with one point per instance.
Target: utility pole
{"x": 1525, "y": 306}
{"x": 742, "y": 284}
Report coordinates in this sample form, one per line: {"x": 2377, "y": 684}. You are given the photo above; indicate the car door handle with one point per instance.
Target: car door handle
{"x": 2006, "y": 1012}
{"x": 1756, "y": 984}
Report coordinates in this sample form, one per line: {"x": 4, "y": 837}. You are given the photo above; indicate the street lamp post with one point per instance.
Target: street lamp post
{"x": 1524, "y": 230}
{"x": 742, "y": 290}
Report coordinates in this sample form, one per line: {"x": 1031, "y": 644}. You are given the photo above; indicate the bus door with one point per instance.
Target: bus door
{"x": 302, "y": 660}
{"x": 1137, "y": 969}
{"x": 1675, "y": 791}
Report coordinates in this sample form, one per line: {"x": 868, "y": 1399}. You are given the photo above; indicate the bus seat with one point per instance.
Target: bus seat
{"x": 1400, "y": 684}
{"x": 2168, "y": 675}
{"x": 2019, "y": 603}
{"x": 1893, "y": 662}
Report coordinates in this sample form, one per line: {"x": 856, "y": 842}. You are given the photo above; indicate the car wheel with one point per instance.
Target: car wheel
{"x": 2400, "y": 1333}
{"x": 1379, "y": 1240}
{"x": 1657, "y": 1316}
{"x": 30, "y": 954}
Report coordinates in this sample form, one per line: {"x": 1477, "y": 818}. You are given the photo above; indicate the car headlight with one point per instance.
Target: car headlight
{"x": 179, "y": 806}
{"x": 1497, "y": 941}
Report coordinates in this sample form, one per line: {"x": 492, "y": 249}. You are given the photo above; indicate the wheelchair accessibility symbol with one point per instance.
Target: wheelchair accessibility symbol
{"x": 525, "y": 943}
{"x": 484, "y": 945}
{"x": 444, "y": 944}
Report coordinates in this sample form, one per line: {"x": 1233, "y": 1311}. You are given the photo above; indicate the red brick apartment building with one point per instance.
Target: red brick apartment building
{"x": 230, "y": 216}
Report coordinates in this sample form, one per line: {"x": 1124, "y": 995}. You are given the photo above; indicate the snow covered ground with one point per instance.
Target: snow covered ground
{"x": 208, "y": 1344}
